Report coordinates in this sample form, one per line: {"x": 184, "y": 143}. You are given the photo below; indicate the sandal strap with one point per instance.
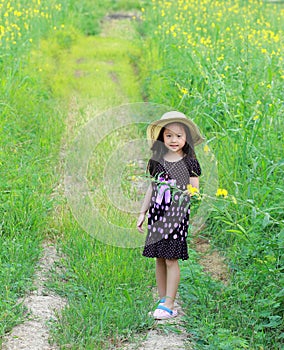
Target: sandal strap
{"x": 162, "y": 307}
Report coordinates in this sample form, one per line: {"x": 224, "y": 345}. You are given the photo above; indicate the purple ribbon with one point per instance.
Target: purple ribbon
{"x": 165, "y": 190}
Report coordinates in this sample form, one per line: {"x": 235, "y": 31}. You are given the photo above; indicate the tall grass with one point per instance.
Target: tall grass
{"x": 106, "y": 303}
{"x": 58, "y": 65}
{"x": 108, "y": 288}
{"x": 30, "y": 132}
{"x": 219, "y": 62}
{"x": 30, "y": 129}
{"x": 222, "y": 64}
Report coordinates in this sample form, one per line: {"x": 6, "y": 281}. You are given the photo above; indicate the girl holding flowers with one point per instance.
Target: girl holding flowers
{"x": 173, "y": 167}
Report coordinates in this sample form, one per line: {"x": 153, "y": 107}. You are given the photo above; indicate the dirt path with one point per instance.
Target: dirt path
{"x": 42, "y": 307}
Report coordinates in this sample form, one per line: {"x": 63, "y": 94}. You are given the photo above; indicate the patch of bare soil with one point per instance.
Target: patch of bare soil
{"x": 213, "y": 263}
{"x": 42, "y": 307}
{"x": 164, "y": 335}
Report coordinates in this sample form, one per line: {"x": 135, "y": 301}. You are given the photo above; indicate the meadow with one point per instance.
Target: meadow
{"x": 219, "y": 62}
{"x": 42, "y": 46}
{"x": 28, "y": 154}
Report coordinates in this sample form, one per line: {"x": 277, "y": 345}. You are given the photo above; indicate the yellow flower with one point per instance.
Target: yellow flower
{"x": 184, "y": 91}
{"x": 206, "y": 149}
{"x": 255, "y": 117}
{"x": 192, "y": 190}
{"x": 221, "y": 192}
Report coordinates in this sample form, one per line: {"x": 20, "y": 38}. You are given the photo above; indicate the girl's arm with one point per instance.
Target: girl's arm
{"x": 194, "y": 181}
{"x": 144, "y": 208}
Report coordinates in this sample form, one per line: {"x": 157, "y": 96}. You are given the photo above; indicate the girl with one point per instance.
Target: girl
{"x": 173, "y": 166}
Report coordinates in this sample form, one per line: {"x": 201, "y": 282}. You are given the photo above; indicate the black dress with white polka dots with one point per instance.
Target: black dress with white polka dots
{"x": 168, "y": 216}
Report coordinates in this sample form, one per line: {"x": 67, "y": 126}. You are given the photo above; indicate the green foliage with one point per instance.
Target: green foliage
{"x": 221, "y": 64}
{"x": 87, "y": 15}
{"x": 227, "y": 74}
{"x": 27, "y": 177}
{"x": 30, "y": 130}
{"x": 103, "y": 287}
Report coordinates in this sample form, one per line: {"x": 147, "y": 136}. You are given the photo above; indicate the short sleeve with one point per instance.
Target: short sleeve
{"x": 193, "y": 167}
{"x": 154, "y": 167}
{"x": 151, "y": 167}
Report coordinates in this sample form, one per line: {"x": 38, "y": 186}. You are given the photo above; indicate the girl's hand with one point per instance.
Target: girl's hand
{"x": 140, "y": 221}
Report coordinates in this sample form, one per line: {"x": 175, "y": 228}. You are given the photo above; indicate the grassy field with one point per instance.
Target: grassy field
{"x": 219, "y": 62}
{"x": 222, "y": 64}
{"x": 44, "y": 53}
{"x": 30, "y": 138}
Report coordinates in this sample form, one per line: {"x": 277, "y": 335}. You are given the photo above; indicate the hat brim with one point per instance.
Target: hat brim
{"x": 154, "y": 129}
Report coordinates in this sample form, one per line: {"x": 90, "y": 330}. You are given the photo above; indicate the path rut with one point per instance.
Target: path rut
{"x": 42, "y": 307}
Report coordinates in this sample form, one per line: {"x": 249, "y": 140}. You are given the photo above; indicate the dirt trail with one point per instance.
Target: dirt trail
{"x": 42, "y": 307}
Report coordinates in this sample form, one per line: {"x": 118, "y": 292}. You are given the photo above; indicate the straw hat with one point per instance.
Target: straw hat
{"x": 155, "y": 127}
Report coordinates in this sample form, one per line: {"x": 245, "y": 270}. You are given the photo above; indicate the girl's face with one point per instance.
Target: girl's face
{"x": 174, "y": 138}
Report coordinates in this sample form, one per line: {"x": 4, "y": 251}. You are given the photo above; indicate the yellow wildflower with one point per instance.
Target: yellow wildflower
{"x": 192, "y": 190}
{"x": 206, "y": 149}
{"x": 184, "y": 91}
{"x": 221, "y": 192}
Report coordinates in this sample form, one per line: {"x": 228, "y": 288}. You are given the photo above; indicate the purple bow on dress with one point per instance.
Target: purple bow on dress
{"x": 164, "y": 190}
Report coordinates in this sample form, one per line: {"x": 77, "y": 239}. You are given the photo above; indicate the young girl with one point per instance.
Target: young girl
{"x": 173, "y": 166}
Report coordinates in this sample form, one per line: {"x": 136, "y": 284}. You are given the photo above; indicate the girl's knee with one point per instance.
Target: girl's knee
{"x": 171, "y": 262}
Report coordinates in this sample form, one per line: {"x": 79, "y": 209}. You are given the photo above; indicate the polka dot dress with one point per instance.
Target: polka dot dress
{"x": 168, "y": 216}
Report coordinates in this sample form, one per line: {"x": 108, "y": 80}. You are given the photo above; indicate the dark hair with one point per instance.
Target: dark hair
{"x": 159, "y": 149}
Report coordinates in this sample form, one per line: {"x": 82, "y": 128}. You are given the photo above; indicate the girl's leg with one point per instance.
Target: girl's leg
{"x": 161, "y": 276}
{"x": 173, "y": 278}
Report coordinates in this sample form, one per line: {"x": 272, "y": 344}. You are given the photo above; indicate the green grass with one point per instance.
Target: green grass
{"x": 222, "y": 64}
{"x": 106, "y": 304}
{"x": 40, "y": 78}
{"x": 43, "y": 73}
{"x": 29, "y": 148}
{"x": 103, "y": 286}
